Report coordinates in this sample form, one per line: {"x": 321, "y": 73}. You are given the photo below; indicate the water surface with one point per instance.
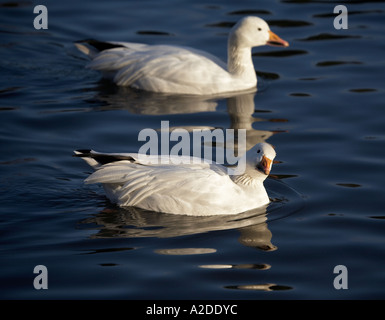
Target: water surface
{"x": 320, "y": 102}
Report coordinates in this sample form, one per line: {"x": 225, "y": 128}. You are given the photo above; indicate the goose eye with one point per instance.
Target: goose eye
{"x": 259, "y": 29}
{"x": 259, "y": 151}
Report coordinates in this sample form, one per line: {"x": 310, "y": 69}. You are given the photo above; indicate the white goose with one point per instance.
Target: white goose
{"x": 189, "y": 188}
{"x": 183, "y": 70}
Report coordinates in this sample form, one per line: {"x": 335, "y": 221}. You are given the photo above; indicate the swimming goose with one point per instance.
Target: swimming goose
{"x": 191, "y": 187}
{"x": 183, "y": 70}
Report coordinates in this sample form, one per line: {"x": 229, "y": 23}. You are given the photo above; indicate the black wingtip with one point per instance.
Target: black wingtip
{"x": 82, "y": 153}
{"x": 100, "y": 157}
{"x": 100, "y": 45}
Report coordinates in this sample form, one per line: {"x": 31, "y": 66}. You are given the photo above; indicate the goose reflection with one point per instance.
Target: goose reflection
{"x": 240, "y": 108}
{"x": 151, "y": 103}
{"x": 131, "y": 222}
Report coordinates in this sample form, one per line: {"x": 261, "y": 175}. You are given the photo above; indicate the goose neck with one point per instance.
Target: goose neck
{"x": 239, "y": 61}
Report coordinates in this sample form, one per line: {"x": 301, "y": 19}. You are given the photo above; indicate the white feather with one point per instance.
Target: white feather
{"x": 192, "y": 189}
{"x": 183, "y": 70}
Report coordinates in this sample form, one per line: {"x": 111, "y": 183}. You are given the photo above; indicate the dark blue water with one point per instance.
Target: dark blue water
{"x": 320, "y": 103}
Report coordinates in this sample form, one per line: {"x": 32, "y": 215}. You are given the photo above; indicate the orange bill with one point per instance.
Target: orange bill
{"x": 266, "y": 165}
{"x": 276, "y": 41}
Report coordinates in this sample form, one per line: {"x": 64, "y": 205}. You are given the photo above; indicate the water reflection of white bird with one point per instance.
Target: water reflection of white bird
{"x": 131, "y": 222}
{"x": 150, "y": 103}
{"x": 183, "y": 70}
{"x": 240, "y": 107}
{"x": 186, "y": 188}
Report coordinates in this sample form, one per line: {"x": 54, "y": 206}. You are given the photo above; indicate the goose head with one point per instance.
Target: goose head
{"x": 252, "y": 32}
{"x": 260, "y": 158}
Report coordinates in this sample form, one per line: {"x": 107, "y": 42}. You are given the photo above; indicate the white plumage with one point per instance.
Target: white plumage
{"x": 189, "y": 188}
{"x": 183, "y": 70}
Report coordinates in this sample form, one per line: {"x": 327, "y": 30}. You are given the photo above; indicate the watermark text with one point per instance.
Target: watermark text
{"x": 41, "y": 20}
{"x": 188, "y": 146}
{"x": 41, "y": 280}
{"x": 341, "y": 21}
{"x": 341, "y": 280}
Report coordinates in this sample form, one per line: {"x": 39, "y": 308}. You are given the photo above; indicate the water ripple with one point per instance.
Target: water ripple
{"x": 260, "y": 287}
{"x": 336, "y": 63}
{"x": 289, "y": 23}
{"x": 280, "y": 53}
{"x": 249, "y": 12}
{"x": 258, "y": 266}
{"x": 154, "y": 33}
{"x": 185, "y": 251}
{"x": 328, "y": 36}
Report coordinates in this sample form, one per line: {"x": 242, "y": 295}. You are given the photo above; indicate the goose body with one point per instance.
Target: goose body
{"x": 189, "y": 187}
{"x": 183, "y": 70}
